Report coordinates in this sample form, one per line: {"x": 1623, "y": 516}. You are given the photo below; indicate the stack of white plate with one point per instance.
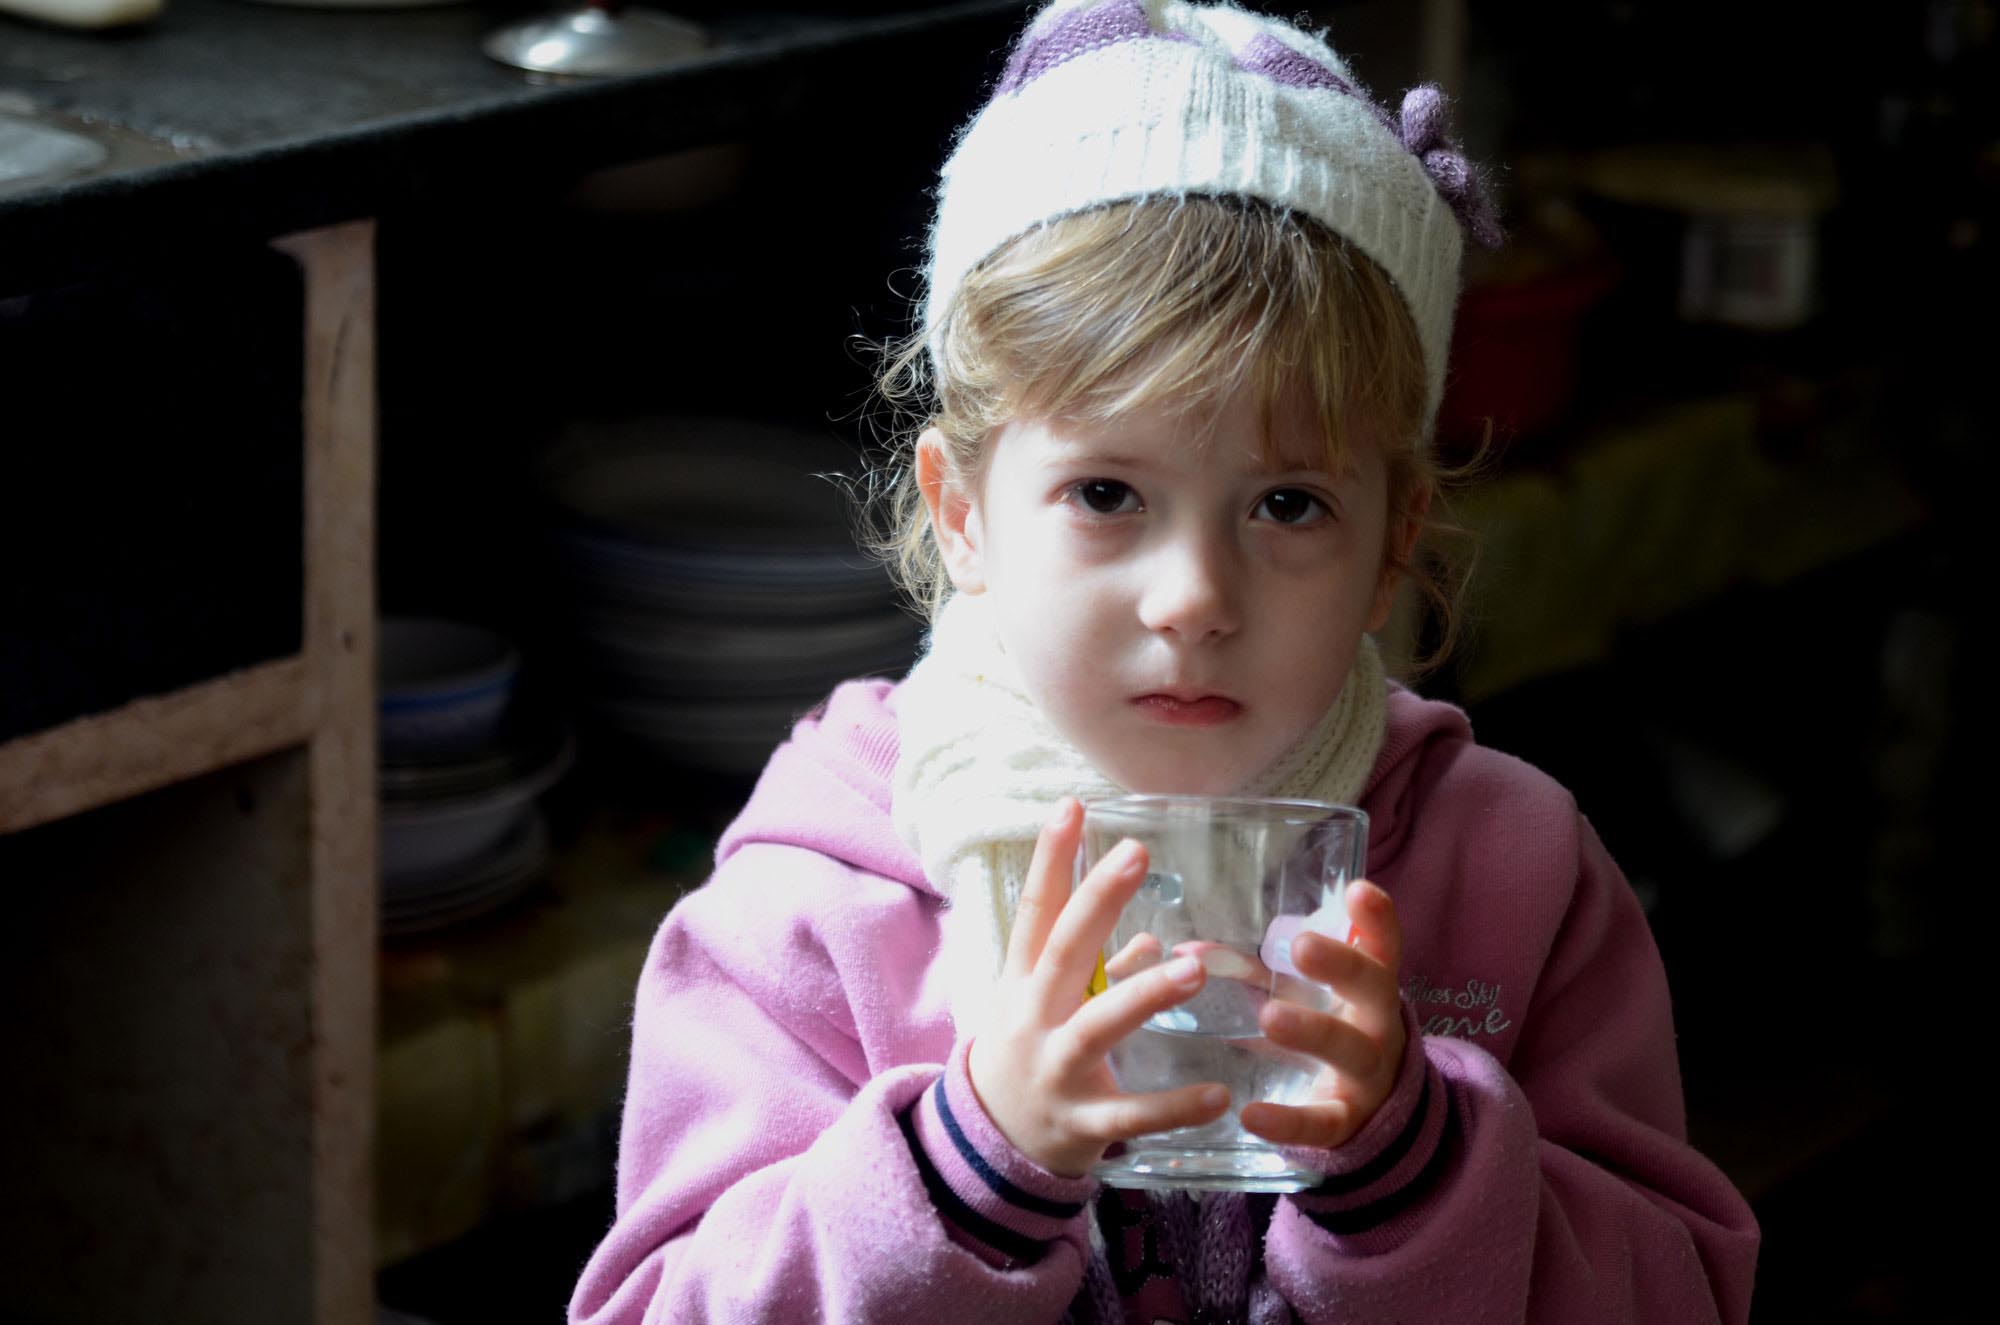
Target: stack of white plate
{"x": 461, "y": 768}
{"x": 717, "y": 586}
{"x": 414, "y": 903}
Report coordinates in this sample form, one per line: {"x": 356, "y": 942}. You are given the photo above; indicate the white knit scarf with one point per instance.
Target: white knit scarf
{"x": 981, "y": 768}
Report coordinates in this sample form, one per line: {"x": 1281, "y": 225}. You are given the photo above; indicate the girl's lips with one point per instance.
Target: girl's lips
{"x": 1207, "y": 711}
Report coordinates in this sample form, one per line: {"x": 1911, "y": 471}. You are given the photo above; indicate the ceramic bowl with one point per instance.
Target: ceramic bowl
{"x": 442, "y": 834}
{"x": 444, "y": 688}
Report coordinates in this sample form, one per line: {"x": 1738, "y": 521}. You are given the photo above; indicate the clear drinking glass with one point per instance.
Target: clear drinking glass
{"x": 1232, "y": 881}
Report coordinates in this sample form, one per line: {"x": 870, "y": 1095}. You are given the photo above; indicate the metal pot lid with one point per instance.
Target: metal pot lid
{"x": 597, "y": 41}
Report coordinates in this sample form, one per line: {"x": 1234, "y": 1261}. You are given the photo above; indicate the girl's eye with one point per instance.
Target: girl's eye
{"x": 1292, "y": 506}
{"x": 1106, "y": 496}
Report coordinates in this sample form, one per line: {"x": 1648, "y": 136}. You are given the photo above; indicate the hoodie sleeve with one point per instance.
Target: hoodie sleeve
{"x": 765, "y": 1172}
{"x": 1557, "y": 1188}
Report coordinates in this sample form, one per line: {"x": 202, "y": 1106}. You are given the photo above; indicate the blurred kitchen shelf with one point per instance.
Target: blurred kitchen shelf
{"x": 504, "y": 1040}
{"x": 328, "y": 116}
{"x": 1647, "y": 519}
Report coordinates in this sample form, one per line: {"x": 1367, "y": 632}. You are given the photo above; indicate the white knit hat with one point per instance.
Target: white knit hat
{"x": 1111, "y": 99}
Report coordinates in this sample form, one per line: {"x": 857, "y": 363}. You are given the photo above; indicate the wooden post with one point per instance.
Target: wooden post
{"x": 189, "y": 962}
{"x": 340, "y": 420}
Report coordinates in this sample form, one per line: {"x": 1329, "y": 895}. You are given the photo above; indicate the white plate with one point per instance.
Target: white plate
{"x": 744, "y": 489}
{"x": 528, "y": 745}
{"x": 355, "y": 4}
{"x": 749, "y": 643}
{"x": 437, "y": 838}
{"x": 506, "y": 877}
{"x": 664, "y": 658}
{"x": 721, "y": 736}
{"x": 526, "y": 846}
{"x": 613, "y": 555}
{"x": 725, "y": 518}
{"x": 748, "y": 600}
{"x": 708, "y": 718}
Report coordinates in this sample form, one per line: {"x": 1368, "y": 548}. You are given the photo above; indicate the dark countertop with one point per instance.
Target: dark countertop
{"x": 236, "y": 120}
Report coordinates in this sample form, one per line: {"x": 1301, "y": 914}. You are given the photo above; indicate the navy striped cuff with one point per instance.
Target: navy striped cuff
{"x": 1007, "y": 1207}
{"x": 1403, "y": 1173}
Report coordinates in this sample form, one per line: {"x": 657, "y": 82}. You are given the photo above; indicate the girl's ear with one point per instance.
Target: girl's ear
{"x": 1403, "y": 532}
{"x": 954, "y": 515}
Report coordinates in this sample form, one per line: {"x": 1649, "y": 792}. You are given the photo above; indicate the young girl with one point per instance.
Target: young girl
{"x": 1190, "y": 293}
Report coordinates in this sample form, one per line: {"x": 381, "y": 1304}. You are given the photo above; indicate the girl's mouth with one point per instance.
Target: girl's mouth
{"x": 1202, "y": 711}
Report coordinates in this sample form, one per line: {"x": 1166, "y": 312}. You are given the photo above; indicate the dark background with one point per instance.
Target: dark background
{"x": 1822, "y": 972}
{"x": 1822, "y": 967}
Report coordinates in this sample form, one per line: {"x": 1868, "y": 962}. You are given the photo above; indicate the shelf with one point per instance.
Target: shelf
{"x": 276, "y": 119}
{"x": 149, "y": 743}
{"x": 194, "y": 929}
{"x": 504, "y": 1040}
{"x": 1651, "y": 519}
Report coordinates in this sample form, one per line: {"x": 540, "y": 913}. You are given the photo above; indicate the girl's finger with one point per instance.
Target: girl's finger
{"x": 1223, "y": 960}
{"x": 1076, "y": 939}
{"x": 1339, "y": 1044}
{"x": 1143, "y": 951}
{"x": 1046, "y": 889}
{"x": 1122, "y": 1117}
{"x": 1377, "y": 930}
{"x": 1293, "y": 989}
{"x": 1129, "y": 1004}
{"x": 1323, "y": 1124}
{"x": 1365, "y": 986}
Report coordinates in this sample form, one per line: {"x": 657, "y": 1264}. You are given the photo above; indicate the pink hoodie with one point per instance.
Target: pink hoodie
{"x": 800, "y": 1141}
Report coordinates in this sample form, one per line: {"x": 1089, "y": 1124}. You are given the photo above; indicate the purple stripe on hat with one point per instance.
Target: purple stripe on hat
{"x": 1266, "y": 55}
{"x": 1090, "y": 28}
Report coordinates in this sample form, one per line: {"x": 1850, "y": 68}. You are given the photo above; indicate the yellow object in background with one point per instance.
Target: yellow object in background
{"x": 1099, "y": 981}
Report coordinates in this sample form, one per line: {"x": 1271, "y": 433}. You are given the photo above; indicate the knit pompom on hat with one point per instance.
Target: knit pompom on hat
{"x": 1105, "y": 100}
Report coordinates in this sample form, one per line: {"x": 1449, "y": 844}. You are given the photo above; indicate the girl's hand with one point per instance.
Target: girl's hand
{"x": 1039, "y": 1066}
{"x": 1361, "y": 1043}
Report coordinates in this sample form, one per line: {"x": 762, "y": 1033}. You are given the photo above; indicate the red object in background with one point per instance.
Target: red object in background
{"x": 1513, "y": 356}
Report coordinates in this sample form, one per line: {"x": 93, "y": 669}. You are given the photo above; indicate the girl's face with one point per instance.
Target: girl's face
{"x": 1183, "y": 610}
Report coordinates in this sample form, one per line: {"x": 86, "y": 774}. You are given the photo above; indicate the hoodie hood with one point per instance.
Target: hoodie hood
{"x": 827, "y": 788}
{"x": 1423, "y": 737}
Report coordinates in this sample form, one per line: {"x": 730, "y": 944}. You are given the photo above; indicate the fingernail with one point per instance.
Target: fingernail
{"x": 1282, "y": 1017}
{"x": 1061, "y": 815}
{"x": 1214, "y": 1097}
{"x": 1353, "y": 933}
{"x": 1184, "y": 971}
{"x": 1124, "y": 856}
{"x": 1228, "y": 963}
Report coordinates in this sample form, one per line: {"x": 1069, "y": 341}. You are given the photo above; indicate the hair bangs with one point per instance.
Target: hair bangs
{"x": 1181, "y": 303}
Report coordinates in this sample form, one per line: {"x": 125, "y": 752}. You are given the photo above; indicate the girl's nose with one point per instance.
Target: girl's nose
{"x": 1189, "y": 590}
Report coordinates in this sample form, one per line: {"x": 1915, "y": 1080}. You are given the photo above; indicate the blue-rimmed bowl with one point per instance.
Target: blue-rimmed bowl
{"x": 444, "y": 688}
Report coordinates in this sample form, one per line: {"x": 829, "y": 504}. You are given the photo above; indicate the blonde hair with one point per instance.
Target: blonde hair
{"x": 1167, "y": 300}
